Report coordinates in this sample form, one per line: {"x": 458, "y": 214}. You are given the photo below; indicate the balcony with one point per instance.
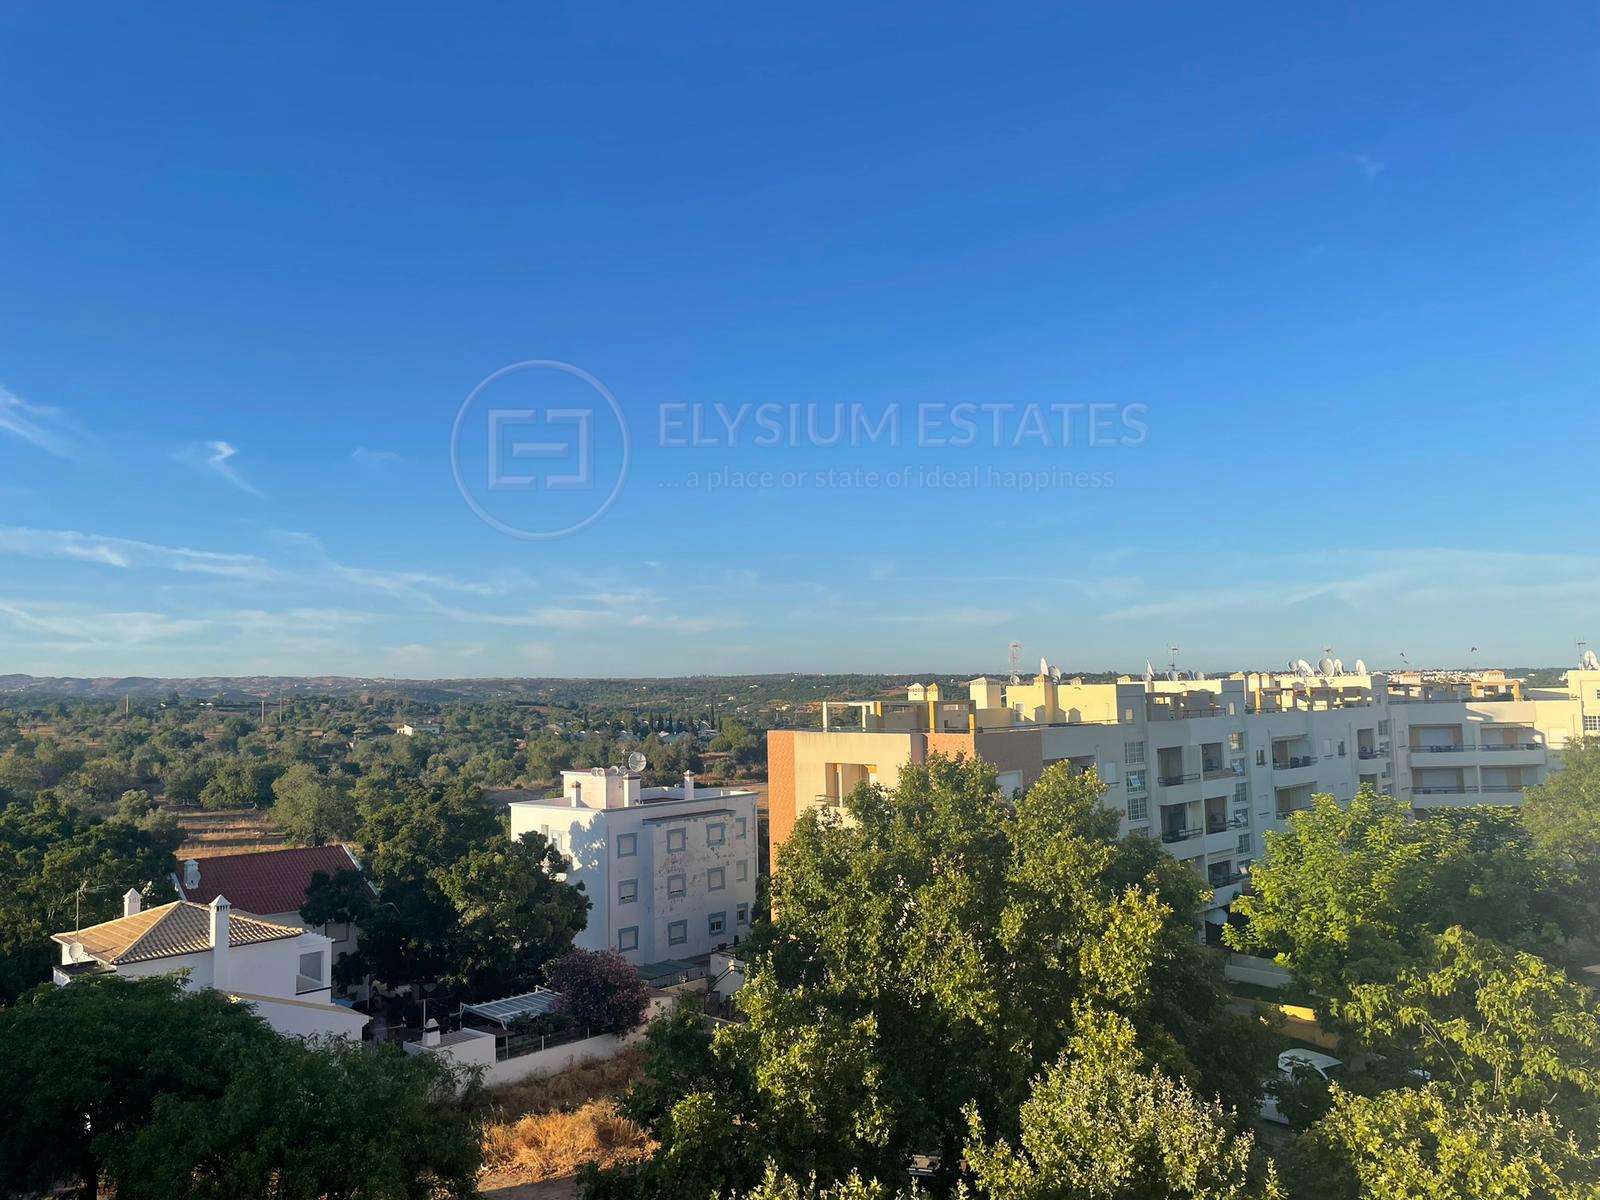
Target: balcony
{"x": 1507, "y": 747}
{"x": 1173, "y": 836}
{"x": 1294, "y": 762}
{"x": 1177, "y": 780}
{"x": 1217, "y": 824}
{"x": 1371, "y": 752}
{"x": 1216, "y": 771}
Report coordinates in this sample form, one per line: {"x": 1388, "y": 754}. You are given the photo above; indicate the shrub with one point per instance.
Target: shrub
{"x": 599, "y": 989}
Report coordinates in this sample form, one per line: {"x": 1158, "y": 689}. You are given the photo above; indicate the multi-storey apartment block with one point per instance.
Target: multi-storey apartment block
{"x": 670, "y": 872}
{"x": 1206, "y": 766}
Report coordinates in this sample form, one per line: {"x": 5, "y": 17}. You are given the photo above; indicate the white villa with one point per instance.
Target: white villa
{"x": 280, "y": 970}
{"x": 670, "y": 871}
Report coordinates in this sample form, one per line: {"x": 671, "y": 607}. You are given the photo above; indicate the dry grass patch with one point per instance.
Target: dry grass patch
{"x": 228, "y": 831}
{"x": 547, "y": 1128}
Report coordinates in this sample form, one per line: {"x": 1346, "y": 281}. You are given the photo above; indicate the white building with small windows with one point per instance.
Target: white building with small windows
{"x": 670, "y": 871}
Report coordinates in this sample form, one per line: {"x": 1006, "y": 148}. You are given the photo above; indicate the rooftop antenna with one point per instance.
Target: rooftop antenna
{"x": 1016, "y": 657}
{"x": 1173, "y": 666}
{"x": 1583, "y": 647}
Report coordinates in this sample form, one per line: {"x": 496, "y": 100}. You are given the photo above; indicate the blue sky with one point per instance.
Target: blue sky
{"x": 1341, "y": 265}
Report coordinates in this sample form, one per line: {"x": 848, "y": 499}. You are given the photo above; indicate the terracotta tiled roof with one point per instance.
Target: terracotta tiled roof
{"x": 168, "y": 931}
{"x": 267, "y": 881}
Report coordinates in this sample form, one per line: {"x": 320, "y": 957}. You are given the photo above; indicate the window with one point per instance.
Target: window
{"x": 741, "y": 915}
{"x": 716, "y": 834}
{"x": 1383, "y": 728}
{"x": 627, "y": 891}
{"x": 716, "y": 923}
{"x": 1244, "y": 843}
{"x": 311, "y": 968}
{"x": 1136, "y": 780}
{"x": 1138, "y": 808}
{"x": 1133, "y": 753}
{"x": 741, "y": 870}
{"x": 716, "y": 879}
{"x": 740, "y": 827}
{"x": 676, "y": 885}
{"x": 1261, "y": 758}
{"x": 1236, "y": 741}
{"x": 628, "y": 939}
{"x": 1341, "y": 747}
{"x": 1241, "y": 793}
{"x": 677, "y": 839}
{"x": 1591, "y": 724}
{"x": 627, "y": 845}
{"x": 677, "y": 933}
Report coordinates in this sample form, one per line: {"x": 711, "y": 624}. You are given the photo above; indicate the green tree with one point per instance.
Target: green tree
{"x": 513, "y": 914}
{"x": 1427, "y": 1145}
{"x": 90, "y": 1061}
{"x": 310, "y": 808}
{"x": 1501, "y": 1029}
{"x": 1563, "y": 815}
{"x": 300, "y": 1121}
{"x": 929, "y": 958}
{"x": 1101, "y": 1123}
{"x": 1347, "y": 895}
{"x": 236, "y": 784}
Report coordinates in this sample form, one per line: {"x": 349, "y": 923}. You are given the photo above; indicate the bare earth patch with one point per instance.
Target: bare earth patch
{"x": 229, "y": 831}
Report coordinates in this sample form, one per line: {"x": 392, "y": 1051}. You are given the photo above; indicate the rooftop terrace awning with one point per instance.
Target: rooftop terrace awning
{"x": 528, "y": 1004}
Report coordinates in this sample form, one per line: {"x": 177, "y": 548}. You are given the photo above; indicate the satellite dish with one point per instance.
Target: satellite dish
{"x": 1174, "y": 676}
{"x": 1055, "y": 674}
{"x": 1591, "y": 662}
{"x": 1044, "y": 666}
{"x": 636, "y": 762}
{"x": 1016, "y": 679}
{"x": 1325, "y": 666}
{"x": 1199, "y": 674}
{"x": 1361, "y": 666}
{"x": 597, "y": 770}
{"x": 1338, "y": 666}
{"x": 1302, "y": 667}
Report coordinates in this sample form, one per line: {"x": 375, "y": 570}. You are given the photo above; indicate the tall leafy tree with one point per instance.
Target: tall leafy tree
{"x": 1348, "y": 895}
{"x": 1563, "y": 814}
{"x": 310, "y": 808}
{"x": 90, "y": 1060}
{"x": 1101, "y": 1123}
{"x": 927, "y": 959}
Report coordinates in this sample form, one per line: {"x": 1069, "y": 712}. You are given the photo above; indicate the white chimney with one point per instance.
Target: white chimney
{"x": 220, "y": 912}
{"x": 191, "y": 875}
{"x": 688, "y": 785}
{"x": 430, "y": 1033}
{"x": 131, "y": 901}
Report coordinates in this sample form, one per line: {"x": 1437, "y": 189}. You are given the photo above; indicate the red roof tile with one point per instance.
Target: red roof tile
{"x": 267, "y": 881}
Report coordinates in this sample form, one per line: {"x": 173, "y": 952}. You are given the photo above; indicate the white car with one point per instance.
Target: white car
{"x": 1324, "y": 1065}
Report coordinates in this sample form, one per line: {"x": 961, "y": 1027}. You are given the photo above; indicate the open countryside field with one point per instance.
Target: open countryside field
{"x": 229, "y": 831}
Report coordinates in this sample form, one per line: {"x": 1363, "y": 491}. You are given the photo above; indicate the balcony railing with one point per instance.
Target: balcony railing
{"x": 1511, "y": 746}
{"x": 1217, "y": 771}
{"x": 1170, "y": 836}
{"x": 1439, "y": 749}
{"x": 1373, "y": 752}
{"x": 1232, "y": 877}
{"x": 1216, "y": 824}
{"x": 1294, "y": 761}
{"x": 1176, "y": 780}
{"x": 1456, "y": 789}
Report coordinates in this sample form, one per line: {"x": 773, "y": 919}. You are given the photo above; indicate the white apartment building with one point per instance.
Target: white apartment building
{"x": 281, "y": 971}
{"x": 670, "y": 872}
{"x": 1208, "y": 765}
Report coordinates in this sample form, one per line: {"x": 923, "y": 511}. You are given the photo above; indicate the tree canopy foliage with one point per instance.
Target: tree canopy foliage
{"x": 927, "y": 960}
{"x": 169, "y": 1094}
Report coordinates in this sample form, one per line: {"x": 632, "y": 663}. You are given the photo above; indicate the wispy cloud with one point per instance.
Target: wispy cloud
{"x": 46, "y": 428}
{"x": 218, "y": 457}
{"x": 1369, "y": 166}
{"x": 75, "y": 627}
{"x": 127, "y": 552}
{"x": 367, "y": 457}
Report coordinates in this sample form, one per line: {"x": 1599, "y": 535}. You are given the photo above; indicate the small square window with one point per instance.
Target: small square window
{"x": 716, "y": 879}
{"x": 628, "y": 939}
{"x": 676, "y": 839}
{"x": 1133, "y": 753}
{"x": 627, "y": 845}
{"x": 740, "y": 827}
{"x": 1136, "y": 781}
{"x": 716, "y": 923}
{"x": 627, "y": 891}
{"x": 676, "y": 885}
{"x": 741, "y": 871}
{"x": 1138, "y": 808}
{"x": 677, "y": 933}
{"x": 716, "y": 834}
{"x": 1244, "y": 843}
{"x": 741, "y": 915}
{"x": 1236, "y": 741}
